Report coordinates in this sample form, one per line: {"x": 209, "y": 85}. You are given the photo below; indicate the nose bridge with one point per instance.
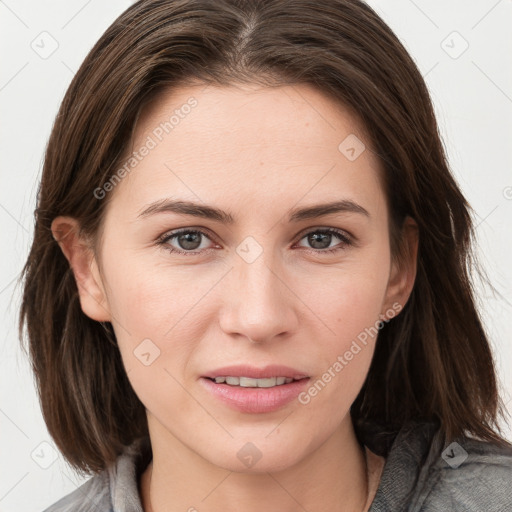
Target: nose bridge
{"x": 260, "y": 306}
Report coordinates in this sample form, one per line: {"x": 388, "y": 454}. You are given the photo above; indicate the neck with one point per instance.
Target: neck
{"x": 331, "y": 477}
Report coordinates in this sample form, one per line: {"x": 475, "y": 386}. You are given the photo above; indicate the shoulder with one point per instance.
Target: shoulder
{"x": 470, "y": 476}
{"x": 422, "y": 473}
{"x": 93, "y": 495}
{"x": 115, "y": 488}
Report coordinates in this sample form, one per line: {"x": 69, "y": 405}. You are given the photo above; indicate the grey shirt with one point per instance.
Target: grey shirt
{"x": 419, "y": 475}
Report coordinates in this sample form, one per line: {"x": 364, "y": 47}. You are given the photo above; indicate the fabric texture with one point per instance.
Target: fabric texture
{"x": 374, "y": 466}
{"x": 419, "y": 475}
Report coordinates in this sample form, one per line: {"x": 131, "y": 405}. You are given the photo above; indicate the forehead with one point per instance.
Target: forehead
{"x": 216, "y": 141}
{"x": 252, "y": 115}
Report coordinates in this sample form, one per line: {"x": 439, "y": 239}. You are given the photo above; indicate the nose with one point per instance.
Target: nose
{"x": 259, "y": 305}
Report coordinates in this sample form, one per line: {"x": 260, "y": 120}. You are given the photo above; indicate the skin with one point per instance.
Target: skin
{"x": 256, "y": 153}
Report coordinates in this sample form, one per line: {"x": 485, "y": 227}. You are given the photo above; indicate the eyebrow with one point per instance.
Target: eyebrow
{"x": 210, "y": 212}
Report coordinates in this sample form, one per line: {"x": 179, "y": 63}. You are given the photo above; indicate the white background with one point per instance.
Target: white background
{"x": 473, "y": 99}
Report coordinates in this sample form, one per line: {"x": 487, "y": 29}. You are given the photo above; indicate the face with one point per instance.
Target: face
{"x": 252, "y": 274}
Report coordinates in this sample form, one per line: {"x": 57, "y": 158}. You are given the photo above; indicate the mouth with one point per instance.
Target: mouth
{"x": 253, "y": 390}
{"x": 245, "y": 375}
{"x": 254, "y": 395}
{"x": 249, "y": 382}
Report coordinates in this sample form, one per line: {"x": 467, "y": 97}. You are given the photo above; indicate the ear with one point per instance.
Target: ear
{"x": 79, "y": 253}
{"x": 403, "y": 270}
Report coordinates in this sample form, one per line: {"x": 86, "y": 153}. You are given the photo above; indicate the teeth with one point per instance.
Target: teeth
{"x": 247, "y": 382}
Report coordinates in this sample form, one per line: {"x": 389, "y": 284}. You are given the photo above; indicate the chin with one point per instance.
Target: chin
{"x": 255, "y": 456}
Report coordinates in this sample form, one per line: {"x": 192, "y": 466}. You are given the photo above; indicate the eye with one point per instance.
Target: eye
{"x": 321, "y": 239}
{"x": 191, "y": 241}
{"x": 186, "y": 241}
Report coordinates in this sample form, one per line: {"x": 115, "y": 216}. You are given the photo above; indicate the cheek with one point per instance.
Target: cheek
{"x": 160, "y": 315}
{"x": 154, "y": 322}
{"x": 140, "y": 303}
{"x": 352, "y": 314}
{"x": 149, "y": 299}
{"x": 347, "y": 301}
{"x": 347, "y": 298}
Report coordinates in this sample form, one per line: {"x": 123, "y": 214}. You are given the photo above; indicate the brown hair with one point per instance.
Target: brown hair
{"x": 431, "y": 363}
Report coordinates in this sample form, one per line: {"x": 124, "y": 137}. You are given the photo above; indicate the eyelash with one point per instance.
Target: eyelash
{"x": 345, "y": 239}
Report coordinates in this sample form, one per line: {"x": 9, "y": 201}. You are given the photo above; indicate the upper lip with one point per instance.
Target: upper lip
{"x": 243, "y": 370}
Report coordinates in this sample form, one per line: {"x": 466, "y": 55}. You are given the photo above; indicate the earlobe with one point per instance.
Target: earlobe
{"x": 93, "y": 300}
{"x": 403, "y": 268}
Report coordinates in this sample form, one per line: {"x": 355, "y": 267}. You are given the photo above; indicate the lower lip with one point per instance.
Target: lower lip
{"x": 255, "y": 400}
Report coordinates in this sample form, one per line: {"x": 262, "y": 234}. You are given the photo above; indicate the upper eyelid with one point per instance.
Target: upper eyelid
{"x": 170, "y": 234}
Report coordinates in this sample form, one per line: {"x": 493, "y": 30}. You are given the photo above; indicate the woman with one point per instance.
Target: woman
{"x": 249, "y": 285}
